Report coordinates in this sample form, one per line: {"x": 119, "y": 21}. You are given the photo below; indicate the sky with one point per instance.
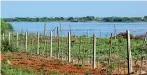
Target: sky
{"x": 11, "y": 9}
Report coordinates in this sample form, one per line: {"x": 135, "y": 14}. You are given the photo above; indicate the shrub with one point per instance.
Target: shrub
{"x": 5, "y": 27}
{"x": 6, "y": 46}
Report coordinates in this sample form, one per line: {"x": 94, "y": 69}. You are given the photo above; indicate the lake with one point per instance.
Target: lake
{"x": 80, "y": 28}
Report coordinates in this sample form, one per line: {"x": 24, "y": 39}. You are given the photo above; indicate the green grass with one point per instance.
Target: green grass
{"x": 7, "y": 69}
{"x": 11, "y": 70}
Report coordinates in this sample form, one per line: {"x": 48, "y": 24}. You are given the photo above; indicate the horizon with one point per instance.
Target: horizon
{"x": 33, "y": 9}
{"x": 77, "y": 17}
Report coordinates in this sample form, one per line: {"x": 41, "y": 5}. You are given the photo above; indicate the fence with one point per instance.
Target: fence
{"x": 113, "y": 55}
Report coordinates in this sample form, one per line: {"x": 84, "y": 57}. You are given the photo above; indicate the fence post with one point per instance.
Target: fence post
{"x": 87, "y": 33}
{"x": 129, "y": 57}
{"x": 26, "y": 43}
{"x": 9, "y": 37}
{"x": 100, "y": 34}
{"x": 44, "y": 30}
{"x": 51, "y": 44}
{"x": 110, "y": 50}
{"x": 115, "y": 31}
{"x": 58, "y": 42}
{"x": 37, "y": 42}
{"x": 69, "y": 46}
{"x": 17, "y": 39}
{"x": 145, "y": 39}
{"x": 94, "y": 51}
{"x": 3, "y": 36}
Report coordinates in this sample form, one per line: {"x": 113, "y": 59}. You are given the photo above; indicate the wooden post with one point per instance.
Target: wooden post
{"x": 51, "y": 44}
{"x": 38, "y": 43}
{"x": 109, "y": 62}
{"x": 17, "y": 39}
{"x": 32, "y": 43}
{"x": 9, "y": 37}
{"x": 26, "y": 43}
{"x": 145, "y": 39}
{"x": 129, "y": 57}
{"x": 69, "y": 47}
{"x": 87, "y": 33}
{"x": 3, "y": 36}
{"x": 94, "y": 51}
{"x": 44, "y": 39}
{"x": 58, "y": 42}
{"x": 60, "y": 32}
{"x": 79, "y": 49}
{"x": 100, "y": 34}
{"x": 115, "y": 31}
{"x": 44, "y": 30}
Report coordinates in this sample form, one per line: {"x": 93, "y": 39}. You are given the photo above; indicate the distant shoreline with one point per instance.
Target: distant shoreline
{"x": 78, "y": 19}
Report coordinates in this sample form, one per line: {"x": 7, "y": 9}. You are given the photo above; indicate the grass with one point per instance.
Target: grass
{"x": 11, "y": 70}
{"x": 7, "y": 69}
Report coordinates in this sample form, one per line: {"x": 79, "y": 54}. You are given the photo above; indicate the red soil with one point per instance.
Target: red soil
{"x": 39, "y": 64}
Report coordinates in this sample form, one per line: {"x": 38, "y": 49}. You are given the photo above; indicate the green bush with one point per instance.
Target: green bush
{"x": 5, "y": 27}
{"x": 11, "y": 70}
{"x": 8, "y": 47}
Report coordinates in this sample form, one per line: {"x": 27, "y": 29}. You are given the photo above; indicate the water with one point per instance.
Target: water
{"x": 81, "y": 28}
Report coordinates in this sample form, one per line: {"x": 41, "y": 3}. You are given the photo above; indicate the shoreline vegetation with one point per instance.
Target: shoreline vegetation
{"x": 77, "y": 19}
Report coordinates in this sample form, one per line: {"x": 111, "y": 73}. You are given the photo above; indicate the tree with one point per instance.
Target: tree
{"x": 145, "y": 17}
{"x": 70, "y": 19}
{"x": 5, "y": 27}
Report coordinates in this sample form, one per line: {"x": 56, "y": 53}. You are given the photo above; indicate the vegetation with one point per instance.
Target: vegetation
{"x": 77, "y": 19}
{"x": 81, "y": 49}
{"x": 8, "y": 47}
{"x": 11, "y": 70}
{"x": 5, "y": 27}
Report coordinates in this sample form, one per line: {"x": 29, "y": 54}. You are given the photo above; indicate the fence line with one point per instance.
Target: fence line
{"x": 81, "y": 48}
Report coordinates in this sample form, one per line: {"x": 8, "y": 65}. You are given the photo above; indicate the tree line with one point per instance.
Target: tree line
{"x": 77, "y": 19}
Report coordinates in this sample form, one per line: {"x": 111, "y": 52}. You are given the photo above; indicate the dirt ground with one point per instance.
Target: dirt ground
{"x": 40, "y": 64}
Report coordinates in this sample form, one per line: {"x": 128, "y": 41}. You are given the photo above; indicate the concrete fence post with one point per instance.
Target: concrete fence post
{"x": 94, "y": 51}
{"x": 109, "y": 62}
{"x": 9, "y": 37}
{"x": 17, "y": 39}
{"x": 145, "y": 37}
{"x": 3, "y": 36}
{"x": 26, "y": 42}
{"x": 129, "y": 57}
{"x": 38, "y": 43}
{"x": 115, "y": 32}
{"x": 69, "y": 47}
{"x": 51, "y": 44}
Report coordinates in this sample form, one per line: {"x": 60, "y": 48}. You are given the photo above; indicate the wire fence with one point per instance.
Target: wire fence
{"x": 111, "y": 52}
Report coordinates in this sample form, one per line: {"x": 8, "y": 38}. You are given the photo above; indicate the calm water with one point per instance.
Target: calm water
{"x": 81, "y": 28}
